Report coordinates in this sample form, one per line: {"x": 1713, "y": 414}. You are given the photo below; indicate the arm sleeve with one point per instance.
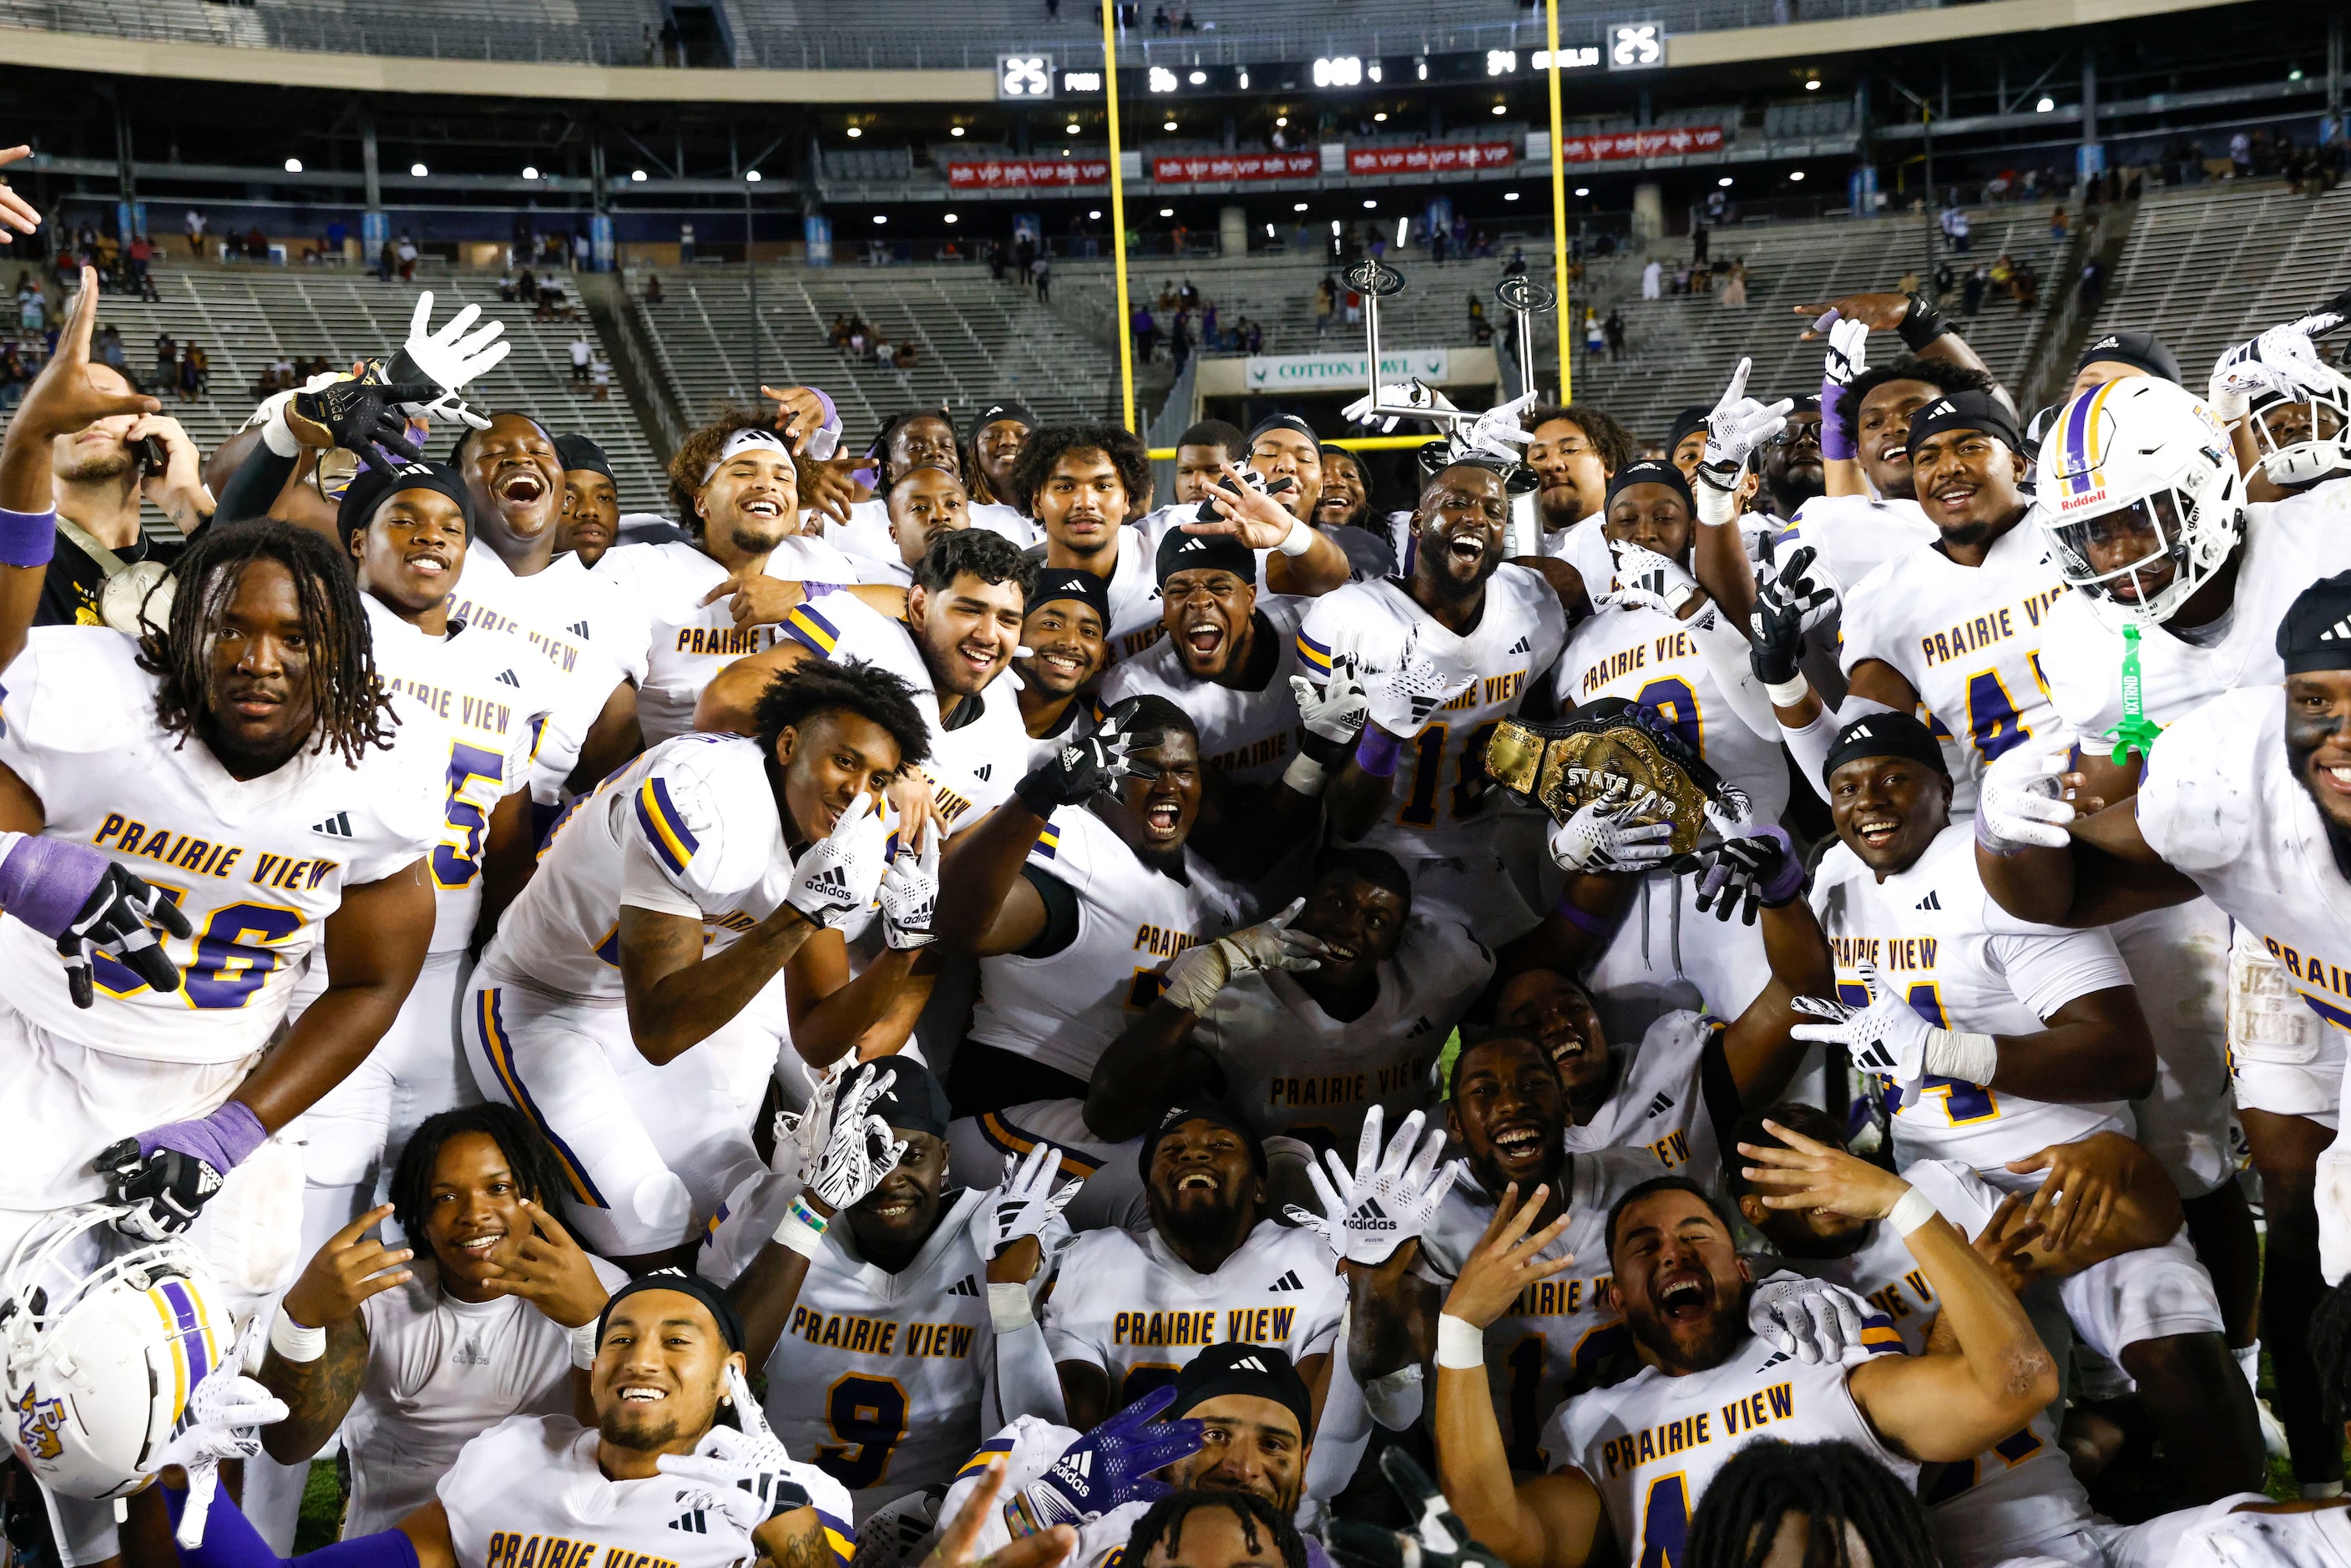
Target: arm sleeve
{"x": 254, "y": 488}
{"x": 231, "y": 1541}
{"x": 2045, "y": 972}
{"x": 1020, "y": 1379}
{"x": 1061, "y": 914}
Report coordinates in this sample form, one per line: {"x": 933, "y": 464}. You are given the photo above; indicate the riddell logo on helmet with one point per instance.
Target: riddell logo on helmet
{"x": 37, "y": 1422}
{"x": 2097, "y": 497}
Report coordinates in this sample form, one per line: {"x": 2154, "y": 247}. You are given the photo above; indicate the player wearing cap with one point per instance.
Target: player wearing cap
{"x": 1075, "y": 895}
{"x": 2005, "y": 1045}
{"x": 1301, "y": 1056}
{"x": 610, "y": 1009}
{"x": 891, "y": 1310}
{"x": 1202, "y": 454}
{"x": 591, "y": 523}
{"x": 997, "y": 431}
{"x": 1444, "y": 655}
{"x": 679, "y": 1467}
{"x": 1065, "y": 631}
{"x": 925, "y": 503}
{"x": 2117, "y": 355}
{"x": 1129, "y": 1309}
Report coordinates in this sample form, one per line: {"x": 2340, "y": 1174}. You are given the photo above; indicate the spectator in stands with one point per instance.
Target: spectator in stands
{"x": 672, "y": 43}
{"x": 837, "y": 335}
{"x": 407, "y": 254}
{"x": 600, "y": 377}
{"x": 2026, "y": 286}
{"x": 1052, "y": 10}
{"x": 1040, "y": 273}
{"x": 142, "y": 254}
{"x": 1698, "y": 244}
{"x": 1436, "y": 242}
{"x": 1517, "y": 265}
{"x": 108, "y": 350}
{"x": 1971, "y": 291}
{"x": 1352, "y": 303}
{"x": 653, "y": 288}
{"x": 685, "y": 244}
{"x": 1146, "y": 332}
{"x": 1180, "y": 343}
{"x": 1161, "y": 23}
{"x": 1734, "y": 287}
{"x": 1614, "y": 330}
{"x": 2057, "y": 227}
{"x": 582, "y": 353}
{"x": 167, "y": 360}
{"x": 905, "y": 356}
{"x": 1326, "y": 300}
{"x": 257, "y": 245}
{"x": 1208, "y": 339}
{"x": 1478, "y": 329}
{"x": 1653, "y": 278}
{"x": 13, "y": 375}
{"x": 1187, "y": 25}
{"x": 194, "y": 223}
{"x": 1596, "y": 338}
{"x": 2003, "y": 274}
{"x": 1954, "y": 223}
{"x": 386, "y": 261}
{"x": 1253, "y": 340}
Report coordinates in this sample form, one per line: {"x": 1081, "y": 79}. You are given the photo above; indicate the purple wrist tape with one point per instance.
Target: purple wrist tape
{"x": 220, "y": 1140}
{"x": 1836, "y": 446}
{"x": 27, "y": 538}
{"x": 45, "y": 882}
{"x": 1584, "y": 920}
{"x": 1790, "y": 879}
{"x": 1377, "y": 752}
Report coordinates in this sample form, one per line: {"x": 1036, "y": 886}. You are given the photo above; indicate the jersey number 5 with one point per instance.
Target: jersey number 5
{"x": 457, "y": 858}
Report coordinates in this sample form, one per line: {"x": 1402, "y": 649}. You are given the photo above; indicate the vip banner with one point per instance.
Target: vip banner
{"x": 1668, "y": 141}
{"x": 1440, "y": 158}
{"x": 1215, "y": 168}
{"x": 1027, "y": 174}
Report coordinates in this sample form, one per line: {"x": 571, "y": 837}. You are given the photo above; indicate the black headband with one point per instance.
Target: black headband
{"x": 2143, "y": 351}
{"x": 1691, "y": 418}
{"x": 2315, "y": 635}
{"x": 1006, "y": 409}
{"x": 1182, "y": 551}
{"x": 1069, "y": 582}
{"x": 1886, "y": 735}
{"x": 1649, "y": 471}
{"x": 580, "y": 456}
{"x": 371, "y": 488}
{"x": 722, "y": 1311}
{"x": 1965, "y": 411}
{"x": 1288, "y": 422}
{"x": 1206, "y": 1111}
{"x": 913, "y": 1103}
{"x": 1237, "y": 1367}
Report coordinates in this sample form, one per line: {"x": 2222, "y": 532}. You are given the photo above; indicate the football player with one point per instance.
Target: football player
{"x": 924, "y": 504}
{"x": 1065, "y": 630}
{"x": 1202, "y": 453}
{"x": 1575, "y": 451}
{"x": 611, "y": 1007}
{"x": 591, "y": 523}
{"x": 922, "y": 438}
{"x": 1082, "y": 483}
{"x": 1792, "y": 465}
{"x": 1344, "y": 514}
{"x": 997, "y": 431}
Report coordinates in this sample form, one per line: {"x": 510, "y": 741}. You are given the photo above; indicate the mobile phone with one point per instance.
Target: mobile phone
{"x": 152, "y": 458}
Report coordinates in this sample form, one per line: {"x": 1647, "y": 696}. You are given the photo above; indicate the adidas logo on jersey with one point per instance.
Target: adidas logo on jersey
{"x": 966, "y": 1286}
{"x": 694, "y": 1521}
{"x": 1660, "y": 1106}
{"x": 1521, "y": 646}
{"x": 579, "y": 629}
{"x": 338, "y": 826}
{"x": 471, "y": 1354}
{"x": 509, "y": 677}
{"x": 983, "y": 771}
{"x": 2338, "y": 633}
{"x": 1291, "y": 1281}
{"x": 1932, "y": 901}
{"x": 1420, "y": 1026}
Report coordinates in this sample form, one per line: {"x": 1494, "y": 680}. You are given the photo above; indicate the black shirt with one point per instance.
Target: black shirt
{"x": 70, "y": 592}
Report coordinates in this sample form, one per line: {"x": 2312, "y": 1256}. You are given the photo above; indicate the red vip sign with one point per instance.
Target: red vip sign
{"x": 1215, "y": 168}
{"x": 1441, "y": 158}
{"x": 1670, "y": 141}
{"x": 1028, "y": 173}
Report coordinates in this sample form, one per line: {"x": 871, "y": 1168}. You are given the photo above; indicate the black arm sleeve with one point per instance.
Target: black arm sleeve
{"x": 253, "y": 490}
{"x": 1061, "y": 914}
{"x": 1719, "y": 1090}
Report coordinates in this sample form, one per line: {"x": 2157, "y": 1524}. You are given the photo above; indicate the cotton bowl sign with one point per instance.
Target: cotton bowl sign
{"x": 1439, "y": 158}
{"x": 1311, "y": 372}
{"x": 1028, "y": 173}
{"x": 1671, "y": 141}
{"x": 1213, "y": 168}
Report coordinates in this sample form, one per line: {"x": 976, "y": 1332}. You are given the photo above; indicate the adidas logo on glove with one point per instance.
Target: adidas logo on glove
{"x": 1371, "y": 1216}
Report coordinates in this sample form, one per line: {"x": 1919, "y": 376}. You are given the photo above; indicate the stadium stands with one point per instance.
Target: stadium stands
{"x": 975, "y": 340}
{"x": 245, "y": 318}
{"x": 2282, "y": 254}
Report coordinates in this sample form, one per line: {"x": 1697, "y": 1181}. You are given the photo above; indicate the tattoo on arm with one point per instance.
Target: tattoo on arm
{"x": 319, "y": 1393}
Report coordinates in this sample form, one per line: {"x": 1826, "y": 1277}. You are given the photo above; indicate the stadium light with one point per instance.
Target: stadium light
{"x": 1162, "y": 80}
{"x": 750, "y": 176}
{"x": 1281, "y": 120}
{"x": 530, "y": 170}
{"x": 951, "y": 217}
{"x": 2045, "y": 105}
{"x": 1501, "y": 109}
{"x": 293, "y": 165}
{"x": 1371, "y": 71}
{"x": 418, "y": 171}
{"x": 854, "y": 133}
{"x": 1166, "y": 212}
{"x": 1510, "y": 195}
{"x": 1094, "y": 215}
{"x": 1812, "y": 84}
{"x": 1369, "y": 203}
{"x": 1268, "y": 231}
{"x": 1421, "y": 67}
{"x": 1071, "y": 129}
{"x": 1381, "y": 118}
{"x": 1244, "y": 80}
{"x": 1166, "y": 125}
{"x": 1197, "y": 78}
{"x": 880, "y": 219}
{"x": 1335, "y": 70}
{"x": 954, "y": 131}
{"x": 1795, "y": 173}
{"x": 1334, "y": 228}
{"x": 1501, "y": 62}
{"x": 1724, "y": 182}
{"x": 636, "y": 176}
{"x": 1583, "y": 189}
{"x": 1298, "y": 208}
{"x": 1404, "y": 232}
{"x": 1065, "y": 152}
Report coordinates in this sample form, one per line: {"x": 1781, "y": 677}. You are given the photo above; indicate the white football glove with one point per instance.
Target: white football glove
{"x": 1402, "y": 700}
{"x": 1848, "y": 354}
{"x": 2020, "y": 803}
{"x": 1336, "y": 714}
{"x": 910, "y": 894}
{"x": 223, "y": 1419}
{"x": 1602, "y": 836}
{"x": 801, "y": 1134}
{"x": 1197, "y": 974}
{"x": 834, "y": 880}
{"x": 449, "y": 359}
{"x": 1648, "y": 580}
{"x": 749, "y": 1476}
{"x": 1027, "y": 1203}
{"x": 2283, "y": 362}
{"x": 1411, "y": 394}
{"x": 1811, "y": 1320}
{"x": 1496, "y": 431}
{"x": 1737, "y": 426}
{"x": 859, "y": 1149}
{"x": 1386, "y": 1200}
{"x": 1887, "y": 1037}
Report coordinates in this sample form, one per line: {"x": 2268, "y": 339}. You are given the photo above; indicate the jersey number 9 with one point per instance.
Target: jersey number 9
{"x": 867, "y": 1417}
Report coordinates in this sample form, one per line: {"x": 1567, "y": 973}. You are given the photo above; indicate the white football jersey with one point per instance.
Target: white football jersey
{"x": 2221, "y": 804}
{"x": 1134, "y": 607}
{"x": 697, "y": 813}
{"x": 495, "y": 696}
{"x": 877, "y": 1377}
{"x": 1853, "y": 536}
{"x": 688, "y": 641}
{"x": 257, "y": 865}
{"x": 1967, "y": 639}
{"x": 1291, "y": 1068}
{"x": 529, "y": 1489}
{"x": 1963, "y": 963}
{"x": 1443, "y": 803}
{"x": 2019, "y": 1496}
{"x": 999, "y": 518}
{"x": 1248, "y": 735}
{"x": 1651, "y": 658}
{"x": 2288, "y": 544}
{"x": 866, "y": 536}
{"x": 1122, "y": 1302}
{"x": 1661, "y": 1101}
{"x": 440, "y": 1372}
{"x": 974, "y": 765}
{"x": 1064, "y": 1010}
{"x": 1561, "y": 1331}
{"x": 1650, "y": 1444}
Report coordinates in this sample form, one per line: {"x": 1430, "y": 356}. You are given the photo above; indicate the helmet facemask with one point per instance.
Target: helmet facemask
{"x": 2304, "y": 439}
{"x": 2188, "y": 537}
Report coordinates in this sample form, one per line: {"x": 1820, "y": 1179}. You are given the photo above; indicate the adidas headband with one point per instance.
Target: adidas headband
{"x": 743, "y": 441}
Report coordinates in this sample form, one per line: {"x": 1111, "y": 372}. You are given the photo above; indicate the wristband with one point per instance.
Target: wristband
{"x": 1715, "y": 508}
{"x": 1837, "y": 444}
{"x": 583, "y": 1346}
{"x": 296, "y": 1342}
{"x": 1583, "y": 919}
{"x": 27, "y": 538}
{"x": 1008, "y": 1307}
{"x": 1299, "y": 540}
{"x": 1915, "y": 1209}
{"x": 1920, "y": 325}
{"x": 1377, "y": 752}
{"x": 1305, "y": 775}
{"x": 1956, "y": 1053}
{"x": 278, "y": 436}
{"x": 1786, "y": 693}
{"x": 801, "y": 1229}
{"x": 1461, "y": 1344}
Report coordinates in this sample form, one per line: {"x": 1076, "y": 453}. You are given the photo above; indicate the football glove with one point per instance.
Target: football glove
{"x": 1648, "y": 580}
{"x": 448, "y": 358}
{"x": 859, "y": 1149}
{"x": 1602, "y": 837}
{"x": 1333, "y": 718}
{"x": 910, "y": 894}
{"x": 1082, "y": 770}
{"x": 1027, "y": 1203}
{"x": 1436, "y": 1539}
{"x": 1196, "y": 975}
{"x": 1387, "y": 1199}
{"x": 1811, "y": 1320}
{"x": 223, "y": 1419}
{"x": 1886, "y": 1037}
{"x": 1107, "y": 1468}
{"x": 92, "y": 907}
{"x": 1735, "y": 428}
{"x": 362, "y": 417}
{"x": 1789, "y": 602}
{"x": 2020, "y": 803}
{"x": 1401, "y": 701}
{"x": 834, "y": 880}
{"x": 751, "y": 1479}
{"x": 1848, "y": 353}
{"x": 1760, "y": 870}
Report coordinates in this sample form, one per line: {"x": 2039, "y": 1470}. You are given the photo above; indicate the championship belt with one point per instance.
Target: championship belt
{"x": 1613, "y": 744}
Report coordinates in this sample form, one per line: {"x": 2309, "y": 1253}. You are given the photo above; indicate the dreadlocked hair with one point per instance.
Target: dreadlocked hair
{"x": 689, "y": 466}
{"x": 354, "y": 709}
{"x": 879, "y": 452}
{"x": 2329, "y": 1343}
{"x": 1164, "y": 1520}
{"x": 529, "y": 1159}
{"x": 1048, "y": 444}
{"x": 1834, "y": 1486}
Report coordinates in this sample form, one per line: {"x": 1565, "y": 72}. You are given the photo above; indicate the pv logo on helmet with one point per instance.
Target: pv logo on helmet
{"x": 37, "y": 1421}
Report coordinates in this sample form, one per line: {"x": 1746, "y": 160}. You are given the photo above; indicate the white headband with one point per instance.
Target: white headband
{"x": 745, "y": 440}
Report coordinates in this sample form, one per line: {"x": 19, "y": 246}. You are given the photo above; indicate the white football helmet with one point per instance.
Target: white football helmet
{"x": 99, "y": 1364}
{"x": 2140, "y": 457}
{"x": 2306, "y": 437}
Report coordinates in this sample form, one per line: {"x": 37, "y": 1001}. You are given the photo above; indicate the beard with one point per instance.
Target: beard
{"x": 2298, "y": 756}
{"x": 96, "y": 467}
{"x": 1702, "y": 1350}
{"x": 626, "y": 1428}
{"x": 1196, "y": 1224}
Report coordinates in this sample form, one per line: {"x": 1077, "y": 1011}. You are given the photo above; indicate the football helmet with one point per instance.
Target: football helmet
{"x": 2307, "y": 436}
{"x": 2139, "y": 458}
{"x": 99, "y": 1364}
